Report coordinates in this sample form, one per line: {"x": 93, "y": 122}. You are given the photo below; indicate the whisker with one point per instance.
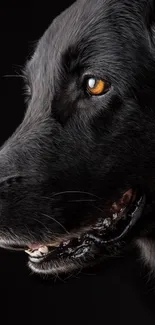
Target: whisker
{"x": 98, "y": 208}
{"x": 81, "y": 201}
{"x": 49, "y": 198}
{"x": 76, "y": 192}
{"x": 47, "y": 216}
{"x": 54, "y": 235}
{"x": 13, "y": 76}
{"x": 40, "y": 223}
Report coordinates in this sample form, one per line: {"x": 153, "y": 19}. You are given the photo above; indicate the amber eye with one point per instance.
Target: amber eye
{"x": 96, "y": 86}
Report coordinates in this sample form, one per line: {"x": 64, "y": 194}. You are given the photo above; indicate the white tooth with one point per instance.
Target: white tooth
{"x": 43, "y": 249}
{"x": 115, "y": 215}
{"x": 28, "y": 251}
{"x": 107, "y": 222}
{"x": 35, "y": 253}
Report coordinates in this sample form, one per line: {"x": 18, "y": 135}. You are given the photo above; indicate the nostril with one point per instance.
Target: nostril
{"x": 9, "y": 180}
{"x": 8, "y": 184}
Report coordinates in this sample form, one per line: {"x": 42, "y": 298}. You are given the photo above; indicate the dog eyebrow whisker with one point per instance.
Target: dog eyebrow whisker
{"x": 59, "y": 223}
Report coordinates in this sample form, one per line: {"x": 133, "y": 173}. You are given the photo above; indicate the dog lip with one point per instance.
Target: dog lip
{"x": 122, "y": 216}
{"x": 132, "y": 215}
{"x": 127, "y": 198}
{"x": 78, "y": 247}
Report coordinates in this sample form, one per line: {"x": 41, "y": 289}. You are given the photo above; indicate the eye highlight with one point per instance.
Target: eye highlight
{"x": 97, "y": 87}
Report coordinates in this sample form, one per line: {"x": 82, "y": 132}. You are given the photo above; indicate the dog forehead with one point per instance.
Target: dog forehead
{"x": 72, "y": 24}
{"x": 84, "y": 22}
{"x": 85, "y": 17}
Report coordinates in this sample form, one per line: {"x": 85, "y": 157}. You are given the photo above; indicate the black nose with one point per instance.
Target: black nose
{"x": 9, "y": 180}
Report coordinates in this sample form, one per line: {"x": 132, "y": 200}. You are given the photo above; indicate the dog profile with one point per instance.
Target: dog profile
{"x": 77, "y": 177}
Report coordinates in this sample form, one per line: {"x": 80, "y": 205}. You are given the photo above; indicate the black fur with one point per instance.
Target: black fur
{"x": 73, "y": 152}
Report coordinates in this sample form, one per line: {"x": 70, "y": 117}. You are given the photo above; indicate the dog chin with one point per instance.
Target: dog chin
{"x": 54, "y": 268}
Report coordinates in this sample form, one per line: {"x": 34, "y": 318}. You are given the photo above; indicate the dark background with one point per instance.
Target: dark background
{"x": 118, "y": 292}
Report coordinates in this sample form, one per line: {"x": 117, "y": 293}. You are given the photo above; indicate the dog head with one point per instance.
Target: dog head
{"x": 79, "y": 171}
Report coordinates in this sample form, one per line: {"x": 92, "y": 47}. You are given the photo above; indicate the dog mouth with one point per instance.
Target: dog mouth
{"x": 121, "y": 217}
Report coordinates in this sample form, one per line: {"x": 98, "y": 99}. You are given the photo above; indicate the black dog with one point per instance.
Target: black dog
{"x": 79, "y": 172}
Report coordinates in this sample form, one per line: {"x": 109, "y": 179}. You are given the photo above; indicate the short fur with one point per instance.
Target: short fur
{"x": 72, "y": 149}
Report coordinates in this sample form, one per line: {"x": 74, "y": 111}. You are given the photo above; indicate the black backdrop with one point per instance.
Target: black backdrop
{"x": 121, "y": 291}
